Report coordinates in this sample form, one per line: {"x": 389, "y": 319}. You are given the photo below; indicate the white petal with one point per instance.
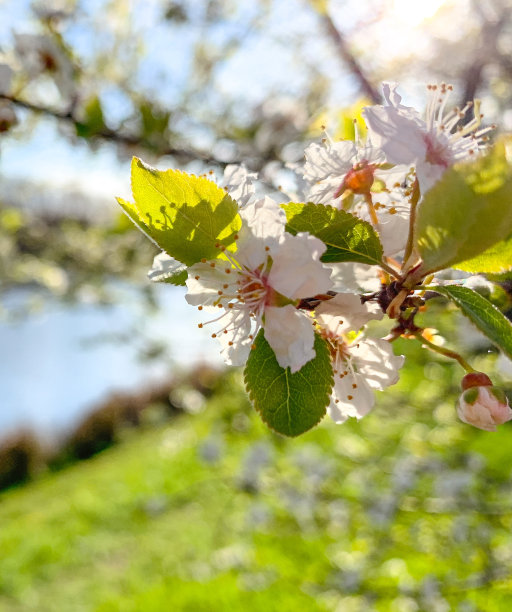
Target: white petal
{"x": 262, "y": 231}
{"x": 348, "y": 277}
{"x": 239, "y": 183}
{"x": 205, "y": 281}
{"x": 401, "y": 139}
{"x": 351, "y": 397}
{"x": 393, "y": 231}
{"x": 346, "y": 312}
{"x": 164, "y": 266}
{"x": 297, "y": 271}
{"x": 393, "y": 227}
{"x": 376, "y": 362}
{"x": 394, "y": 99}
{"x": 290, "y": 334}
{"x": 265, "y": 218}
{"x": 323, "y": 161}
{"x": 325, "y": 169}
{"x": 428, "y": 174}
{"x": 236, "y": 343}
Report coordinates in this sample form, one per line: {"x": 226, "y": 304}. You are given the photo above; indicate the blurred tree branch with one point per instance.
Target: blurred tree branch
{"x": 347, "y": 57}
{"x": 486, "y": 52}
{"x": 117, "y": 137}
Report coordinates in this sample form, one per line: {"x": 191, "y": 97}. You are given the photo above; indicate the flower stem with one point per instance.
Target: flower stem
{"x": 412, "y": 219}
{"x": 375, "y": 222}
{"x": 443, "y": 351}
{"x": 391, "y": 271}
{"x": 371, "y": 209}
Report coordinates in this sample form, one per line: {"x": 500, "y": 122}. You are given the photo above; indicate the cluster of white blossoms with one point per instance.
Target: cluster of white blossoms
{"x": 276, "y": 281}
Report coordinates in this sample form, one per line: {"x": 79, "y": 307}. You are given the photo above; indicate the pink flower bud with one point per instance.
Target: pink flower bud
{"x": 484, "y": 407}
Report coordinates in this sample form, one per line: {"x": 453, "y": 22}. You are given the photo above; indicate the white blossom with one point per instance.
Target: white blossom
{"x": 358, "y": 170}
{"x": 360, "y": 365}
{"x": 432, "y": 144}
{"x": 259, "y": 286}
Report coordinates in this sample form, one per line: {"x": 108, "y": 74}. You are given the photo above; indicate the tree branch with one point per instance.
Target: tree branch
{"x": 128, "y": 140}
{"x": 349, "y": 59}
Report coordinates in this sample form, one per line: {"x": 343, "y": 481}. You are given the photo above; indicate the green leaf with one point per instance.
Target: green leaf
{"x": 489, "y": 320}
{"x": 289, "y": 403}
{"x": 187, "y": 216}
{"x": 496, "y": 260}
{"x": 179, "y": 279}
{"x": 347, "y": 237}
{"x": 133, "y": 214}
{"x": 466, "y": 212}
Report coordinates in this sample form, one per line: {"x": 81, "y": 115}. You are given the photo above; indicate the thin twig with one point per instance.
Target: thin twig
{"x": 442, "y": 351}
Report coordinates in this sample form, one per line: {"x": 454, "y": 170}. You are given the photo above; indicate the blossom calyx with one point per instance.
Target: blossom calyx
{"x": 358, "y": 179}
{"x": 475, "y": 379}
{"x": 481, "y": 404}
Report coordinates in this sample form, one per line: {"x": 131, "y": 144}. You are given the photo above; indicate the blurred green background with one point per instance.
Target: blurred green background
{"x": 134, "y": 475}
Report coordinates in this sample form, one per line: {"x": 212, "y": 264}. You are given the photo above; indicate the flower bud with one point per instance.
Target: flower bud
{"x": 481, "y": 404}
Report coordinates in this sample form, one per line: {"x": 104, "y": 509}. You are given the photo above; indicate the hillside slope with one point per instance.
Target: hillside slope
{"x": 407, "y": 509}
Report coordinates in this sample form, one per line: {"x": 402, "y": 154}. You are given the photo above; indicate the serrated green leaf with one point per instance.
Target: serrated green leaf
{"x": 347, "y": 237}
{"x": 186, "y": 215}
{"x": 468, "y": 211}
{"x": 289, "y": 403}
{"x": 133, "y": 214}
{"x": 496, "y": 260}
{"x": 489, "y": 320}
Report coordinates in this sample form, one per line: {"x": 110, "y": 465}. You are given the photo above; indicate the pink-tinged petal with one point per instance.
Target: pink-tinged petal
{"x": 290, "y": 334}
{"x": 297, "y": 271}
{"x": 375, "y": 360}
{"x": 345, "y": 312}
{"x": 484, "y": 407}
{"x": 351, "y": 397}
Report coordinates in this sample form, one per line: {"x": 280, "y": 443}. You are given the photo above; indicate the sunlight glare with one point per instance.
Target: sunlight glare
{"x": 413, "y": 12}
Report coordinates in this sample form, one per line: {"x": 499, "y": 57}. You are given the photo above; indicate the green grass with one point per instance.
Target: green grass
{"x": 406, "y": 510}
